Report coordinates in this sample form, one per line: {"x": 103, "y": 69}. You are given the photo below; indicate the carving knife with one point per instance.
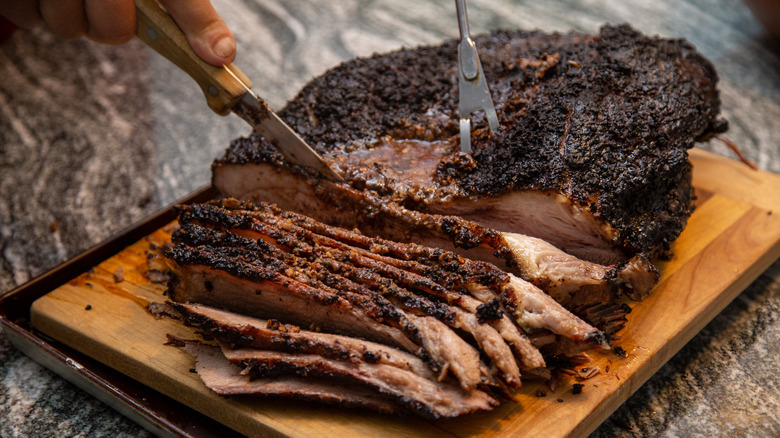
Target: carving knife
{"x": 226, "y": 88}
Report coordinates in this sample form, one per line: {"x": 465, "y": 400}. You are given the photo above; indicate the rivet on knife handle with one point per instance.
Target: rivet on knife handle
{"x": 158, "y": 30}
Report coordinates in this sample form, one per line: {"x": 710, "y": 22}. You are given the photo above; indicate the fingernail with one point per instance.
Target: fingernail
{"x": 224, "y": 47}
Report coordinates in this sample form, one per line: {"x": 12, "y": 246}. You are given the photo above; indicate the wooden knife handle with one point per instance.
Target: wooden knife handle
{"x": 158, "y": 30}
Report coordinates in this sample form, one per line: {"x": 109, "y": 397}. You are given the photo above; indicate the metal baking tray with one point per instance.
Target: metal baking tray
{"x": 152, "y": 410}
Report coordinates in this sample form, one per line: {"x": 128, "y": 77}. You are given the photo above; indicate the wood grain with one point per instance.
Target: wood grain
{"x": 733, "y": 235}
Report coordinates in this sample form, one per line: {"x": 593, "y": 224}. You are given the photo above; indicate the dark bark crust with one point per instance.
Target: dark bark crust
{"x": 605, "y": 120}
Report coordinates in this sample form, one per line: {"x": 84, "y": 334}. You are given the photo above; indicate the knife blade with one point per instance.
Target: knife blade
{"x": 267, "y": 123}
{"x": 226, "y": 88}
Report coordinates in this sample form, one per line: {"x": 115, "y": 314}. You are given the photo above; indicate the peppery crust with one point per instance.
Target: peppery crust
{"x": 605, "y": 120}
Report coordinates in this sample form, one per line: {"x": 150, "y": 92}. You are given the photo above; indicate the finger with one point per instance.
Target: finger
{"x": 23, "y": 13}
{"x": 66, "y": 18}
{"x": 208, "y": 35}
{"x": 110, "y": 21}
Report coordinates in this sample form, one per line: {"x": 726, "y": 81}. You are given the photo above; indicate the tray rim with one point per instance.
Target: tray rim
{"x": 147, "y": 407}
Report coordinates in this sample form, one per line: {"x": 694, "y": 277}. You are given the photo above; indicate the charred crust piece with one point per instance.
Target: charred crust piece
{"x": 489, "y": 311}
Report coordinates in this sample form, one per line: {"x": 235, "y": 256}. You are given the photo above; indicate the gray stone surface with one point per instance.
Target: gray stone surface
{"x": 94, "y": 138}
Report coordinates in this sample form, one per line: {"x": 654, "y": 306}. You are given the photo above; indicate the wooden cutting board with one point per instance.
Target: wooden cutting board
{"x": 731, "y": 238}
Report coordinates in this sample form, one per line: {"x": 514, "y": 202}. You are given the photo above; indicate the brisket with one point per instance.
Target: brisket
{"x": 591, "y": 155}
{"x": 382, "y": 291}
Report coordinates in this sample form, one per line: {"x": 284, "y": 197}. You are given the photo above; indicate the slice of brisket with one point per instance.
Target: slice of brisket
{"x": 239, "y": 331}
{"x": 227, "y": 379}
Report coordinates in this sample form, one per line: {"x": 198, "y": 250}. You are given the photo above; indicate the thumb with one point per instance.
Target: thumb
{"x": 207, "y": 34}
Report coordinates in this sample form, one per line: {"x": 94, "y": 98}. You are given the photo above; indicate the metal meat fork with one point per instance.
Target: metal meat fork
{"x": 473, "y": 92}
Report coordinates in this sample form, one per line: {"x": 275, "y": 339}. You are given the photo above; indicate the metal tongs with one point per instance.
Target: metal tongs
{"x": 473, "y": 92}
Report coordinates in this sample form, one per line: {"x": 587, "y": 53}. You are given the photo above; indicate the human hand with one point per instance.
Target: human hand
{"x": 114, "y": 22}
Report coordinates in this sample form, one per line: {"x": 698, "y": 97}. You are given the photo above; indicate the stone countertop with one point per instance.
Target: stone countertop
{"x": 94, "y": 138}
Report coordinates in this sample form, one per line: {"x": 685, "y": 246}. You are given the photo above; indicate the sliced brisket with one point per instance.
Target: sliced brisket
{"x": 447, "y": 310}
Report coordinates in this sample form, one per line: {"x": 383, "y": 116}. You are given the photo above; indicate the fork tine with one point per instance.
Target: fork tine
{"x": 465, "y": 134}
